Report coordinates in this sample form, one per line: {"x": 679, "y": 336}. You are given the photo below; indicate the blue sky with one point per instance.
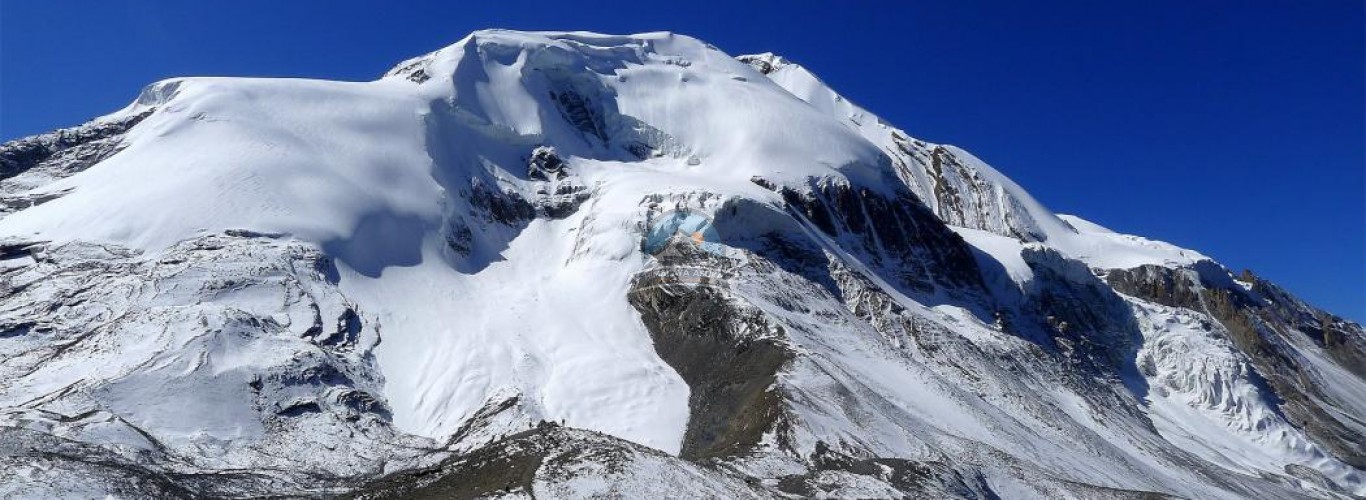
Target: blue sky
{"x": 1234, "y": 128}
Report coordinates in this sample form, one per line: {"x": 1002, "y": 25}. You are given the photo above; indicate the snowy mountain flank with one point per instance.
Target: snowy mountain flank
{"x": 581, "y": 265}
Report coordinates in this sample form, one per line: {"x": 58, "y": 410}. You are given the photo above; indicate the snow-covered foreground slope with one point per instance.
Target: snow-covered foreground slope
{"x": 435, "y": 284}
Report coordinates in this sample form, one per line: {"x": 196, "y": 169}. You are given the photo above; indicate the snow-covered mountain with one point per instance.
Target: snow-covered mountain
{"x": 437, "y": 284}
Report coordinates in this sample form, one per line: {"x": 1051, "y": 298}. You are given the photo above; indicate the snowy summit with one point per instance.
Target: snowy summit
{"x": 438, "y": 283}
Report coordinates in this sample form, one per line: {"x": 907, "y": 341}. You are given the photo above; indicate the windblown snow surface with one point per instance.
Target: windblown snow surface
{"x": 241, "y": 287}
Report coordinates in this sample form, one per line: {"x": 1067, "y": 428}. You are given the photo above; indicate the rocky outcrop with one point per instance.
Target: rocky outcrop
{"x": 958, "y": 192}
{"x": 558, "y": 462}
{"x": 896, "y": 234}
{"x": 904, "y": 478}
{"x": 72, "y": 149}
{"x": 545, "y": 164}
{"x": 1081, "y": 316}
{"x": 728, "y": 355}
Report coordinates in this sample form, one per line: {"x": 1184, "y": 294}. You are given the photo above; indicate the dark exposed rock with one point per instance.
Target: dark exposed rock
{"x": 17, "y": 330}
{"x": 580, "y": 112}
{"x": 504, "y": 207}
{"x": 299, "y": 408}
{"x": 17, "y": 249}
{"x": 495, "y": 214}
{"x": 414, "y": 70}
{"x": 16, "y": 202}
{"x": 899, "y": 235}
{"x": 506, "y": 466}
{"x": 763, "y": 63}
{"x": 915, "y": 479}
{"x": 543, "y": 456}
{"x": 459, "y": 237}
{"x": 347, "y": 330}
{"x": 77, "y": 148}
{"x": 419, "y": 75}
{"x": 561, "y": 200}
{"x": 711, "y": 343}
{"x": 1344, "y": 340}
{"x": 764, "y": 183}
{"x": 545, "y": 164}
{"x": 961, "y": 196}
{"x": 361, "y": 402}
{"x": 1314, "y": 477}
{"x": 1079, "y": 313}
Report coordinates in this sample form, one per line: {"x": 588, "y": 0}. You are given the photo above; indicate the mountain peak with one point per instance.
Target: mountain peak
{"x": 248, "y": 286}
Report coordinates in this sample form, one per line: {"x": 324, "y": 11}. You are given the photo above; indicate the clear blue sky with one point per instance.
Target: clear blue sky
{"x": 1234, "y": 128}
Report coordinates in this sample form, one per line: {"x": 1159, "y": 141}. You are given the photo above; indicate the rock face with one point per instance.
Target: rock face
{"x": 555, "y": 461}
{"x": 440, "y": 285}
{"x": 72, "y": 149}
{"x": 729, "y": 356}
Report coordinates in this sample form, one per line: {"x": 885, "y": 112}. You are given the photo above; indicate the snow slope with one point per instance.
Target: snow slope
{"x": 371, "y": 275}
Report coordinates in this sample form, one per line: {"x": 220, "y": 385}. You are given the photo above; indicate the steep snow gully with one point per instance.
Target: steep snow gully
{"x": 462, "y": 280}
